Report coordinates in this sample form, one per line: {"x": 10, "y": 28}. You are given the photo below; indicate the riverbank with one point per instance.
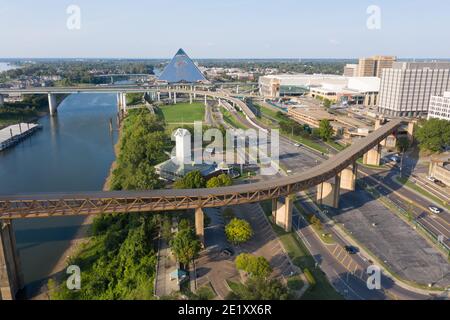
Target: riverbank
{"x": 31, "y": 109}
{"x": 81, "y": 238}
{"x": 117, "y": 257}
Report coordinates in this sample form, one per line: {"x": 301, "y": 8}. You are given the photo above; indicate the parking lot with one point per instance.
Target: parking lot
{"x": 392, "y": 240}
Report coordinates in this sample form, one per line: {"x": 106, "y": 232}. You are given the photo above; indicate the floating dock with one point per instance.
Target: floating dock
{"x": 12, "y": 135}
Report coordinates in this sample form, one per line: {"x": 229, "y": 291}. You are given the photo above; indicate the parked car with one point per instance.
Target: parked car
{"x": 432, "y": 179}
{"x": 351, "y": 249}
{"x": 395, "y": 159}
{"x": 440, "y": 184}
{"x": 227, "y": 252}
{"x": 435, "y": 210}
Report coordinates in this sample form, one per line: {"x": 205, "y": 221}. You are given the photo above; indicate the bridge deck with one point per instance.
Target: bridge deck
{"x": 57, "y": 204}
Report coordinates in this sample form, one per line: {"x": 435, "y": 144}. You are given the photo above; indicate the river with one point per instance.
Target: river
{"x": 73, "y": 152}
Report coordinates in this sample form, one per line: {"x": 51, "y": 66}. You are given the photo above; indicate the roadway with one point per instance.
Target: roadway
{"x": 350, "y": 285}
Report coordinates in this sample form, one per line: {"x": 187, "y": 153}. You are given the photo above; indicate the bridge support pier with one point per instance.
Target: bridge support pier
{"x": 2, "y": 100}
{"x": 206, "y": 101}
{"x": 159, "y": 96}
{"x": 282, "y": 212}
{"x": 190, "y": 98}
{"x": 237, "y": 89}
{"x": 52, "y": 107}
{"x": 11, "y": 278}
{"x": 348, "y": 177}
{"x": 199, "y": 225}
{"x": 119, "y": 101}
{"x": 328, "y": 193}
{"x": 373, "y": 156}
{"x": 411, "y": 126}
{"x": 174, "y": 97}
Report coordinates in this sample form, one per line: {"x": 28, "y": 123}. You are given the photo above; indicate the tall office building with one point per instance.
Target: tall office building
{"x": 351, "y": 70}
{"x": 440, "y": 107}
{"x": 373, "y": 66}
{"x": 407, "y": 87}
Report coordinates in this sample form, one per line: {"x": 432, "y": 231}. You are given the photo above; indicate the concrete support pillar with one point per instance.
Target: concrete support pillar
{"x": 348, "y": 177}
{"x": 159, "y": 96}
{"x": 282, "y": 209}
{"x": 378, "y": 124}
{"x": 11, "y": 278}
{"x": 195, "y": 93}
{"x": 373, "y": 156}
{"x": 170, "y": 95}
{"x": 328, "y": 193}
{"x": 190, "y": 98}
{"x": 199, "y": 224}
{"x": 237, "y": 89}
{"x": 52, "y": 107}
{"x": 2, "y": 100}
{"x": 274, "y": 209}
{"x": 119, "y": 100}
{"x": 175, "y": 97}
{"x": 206, "y": 101}
{"x": 124, "y": 101}
{"x": 411, "y": 132}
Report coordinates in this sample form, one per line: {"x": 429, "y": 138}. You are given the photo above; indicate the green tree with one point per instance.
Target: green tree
{"x": 325, "y": 130}
{"x": 166, "y": 229}
{"x": 193, "y": 180}
{"x": 327, "y": 103}
{"x": 260, "y": 289}
{"x": 186, "y": 246}
{"x": 433, "y": 134}
{"x": 257, "y": 267}
{"x": 403, "y": 144}
{"x": 222, "y": 180}
{"x": 238, "y": 231}
{"x": 316, "y": 222}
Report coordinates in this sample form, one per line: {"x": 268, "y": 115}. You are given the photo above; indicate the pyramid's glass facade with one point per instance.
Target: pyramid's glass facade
{"x": 181, "y": 69}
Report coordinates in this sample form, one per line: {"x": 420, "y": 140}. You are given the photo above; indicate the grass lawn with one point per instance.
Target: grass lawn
{"x": 295, "y": 283}
{"x": 206, "y": 292}
{"x": 231, "y": 120}
{"x": 269, "y": 112}
{"x": 322, "y": 289}
{"x": 182, "y": 112}
{"x": 308, "y": 142}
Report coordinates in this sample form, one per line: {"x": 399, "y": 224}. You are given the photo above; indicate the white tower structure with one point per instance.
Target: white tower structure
{"x": 183, "y": 146}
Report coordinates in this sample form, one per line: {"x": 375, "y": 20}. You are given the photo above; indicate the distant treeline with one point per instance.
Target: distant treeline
{"x": 78, "y": 71}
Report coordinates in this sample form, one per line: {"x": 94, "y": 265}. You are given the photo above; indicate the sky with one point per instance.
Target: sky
{"x": 224, "y": 29}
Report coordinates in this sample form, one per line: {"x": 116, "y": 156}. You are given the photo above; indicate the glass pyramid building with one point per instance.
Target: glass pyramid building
{"x": 181, "y": 69}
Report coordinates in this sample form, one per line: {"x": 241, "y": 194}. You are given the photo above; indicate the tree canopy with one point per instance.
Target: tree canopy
{"x": 325, "y": 130}
{"x": 193, "y": 180}
{"x": 260, "y": 289}
{"x": 223, "y": 180}
{"x": 433, "y": 135}
{"x": 185, "y": 245}
{"x": 238, "y": 231}
{"x": 257, "y": 267}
